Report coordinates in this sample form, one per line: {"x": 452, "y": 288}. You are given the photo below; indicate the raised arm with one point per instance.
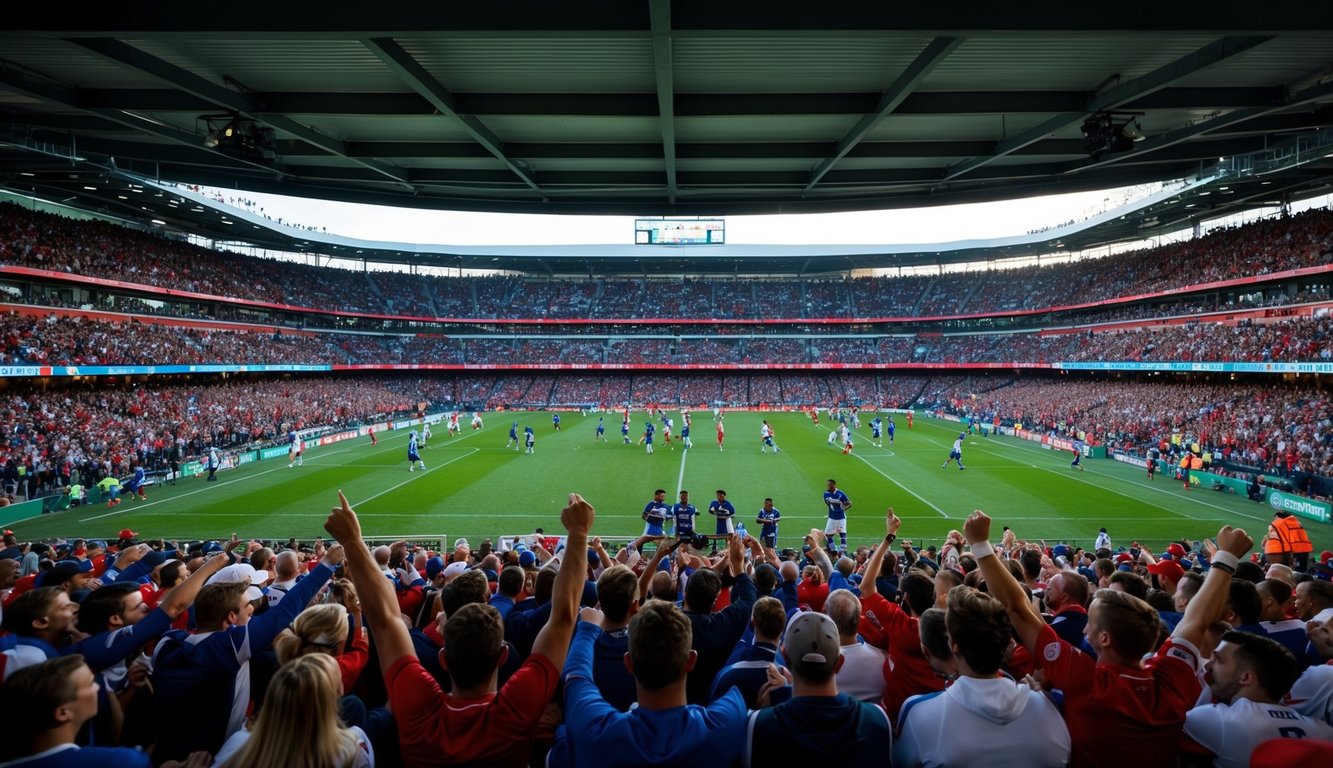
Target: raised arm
{"x": 817, "y": 541}
{"x": 891, "y": 525}
{"x": 1208, "y": 604}
{"x": 646, "y": 578}
{"x": 181, "y": 596}
{"x": 553, "y": 639}
{"x": 1001, "y": 583}
{"x": 379, "y": 606}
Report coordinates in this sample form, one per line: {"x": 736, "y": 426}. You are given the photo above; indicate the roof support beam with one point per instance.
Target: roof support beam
{"x": 659, "y": 12}
{"x": 902, "y": 87}
{"x": 225, "y": 98}
{"x": 1234, "y": 117}
{"x": 1139, "y": 87}
{"x": 415, "y": 76}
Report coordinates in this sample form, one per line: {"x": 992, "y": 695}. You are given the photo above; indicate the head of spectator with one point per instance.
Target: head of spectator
{"x": 662, "y": 587}
{"x": 1104, "y": 567}
{"x": 812, "y": 651}
{"x": 1281, "y": 572}
{"x": 1250, "y": 666}
{"x": 701, "y": 591}
{"x": 474, "y": 648}
{"x": 844, "y": 608}
{"x": 9, "y": 573}
{"x": 979, "y": 631}
{"x": 1121, "y": 628}
{"x": 1243, "y": 604}
{"x": 510, "y": 582}
{"x": 382, "y": 554}
{"x": 46, "y": 705}
{"x": 1168, "y": 573}
{"x": 768, "y": 617}
{"x": 1066, "y": 588}
{"x": 115, "y": 605}
{"x": 224, "y": 604}
{"x": 1321, "y": 636}
{"x": 1188, "y": 587}
{"x": 765, "y": 579}
{"x": 935, "y": 643}
{"x": 286, "y": 566}
{"x": 45, "y": 613}
{"x": 261, "y": 559}
{"x": 618, "y": 596}
{"x": 1248, "y": 570}
{"x": 659, "y": 655}
{"x": 918, "y": 591}
{"x": 470, "y": 587}
{"x": 1130, "y": 583}
{"x": 318, "y": 629}
{"x": 1312, "y": 598}
{"x": 1274, "y": 596}
{"x": 299, "y": 722}
{"x": 946, "y": 580}
{"x": 70, "y": 575}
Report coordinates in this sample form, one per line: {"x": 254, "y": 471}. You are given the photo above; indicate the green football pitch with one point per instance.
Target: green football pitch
{"x": 474, "y": 487}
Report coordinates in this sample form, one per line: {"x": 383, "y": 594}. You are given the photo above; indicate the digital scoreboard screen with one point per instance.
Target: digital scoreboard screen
{"x": 680, "y": 232}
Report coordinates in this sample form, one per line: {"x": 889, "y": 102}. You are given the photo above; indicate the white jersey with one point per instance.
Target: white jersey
{"x": 1233, "y": 732}
{"x": 958, "y": 445}
{"x": 845, "y": 433}
{"x": 1312, "y": 695}
{"x": 476, "y": 419}
{"x": 991, "y": 722}
{"x": 1103, "y": 541}
{"x": 764, "y": 431}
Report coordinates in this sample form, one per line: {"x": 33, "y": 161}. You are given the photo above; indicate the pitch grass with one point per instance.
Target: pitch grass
{"x": 476, "y": 488}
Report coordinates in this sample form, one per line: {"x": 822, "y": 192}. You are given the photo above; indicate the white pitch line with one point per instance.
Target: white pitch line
{"x": 424, "y": 472}
{"x": 680, "y": 479}
{"x": 918, "y": 496}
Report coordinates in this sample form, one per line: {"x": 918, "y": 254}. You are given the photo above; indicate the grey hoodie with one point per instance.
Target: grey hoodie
{"x": 994, "y": 721}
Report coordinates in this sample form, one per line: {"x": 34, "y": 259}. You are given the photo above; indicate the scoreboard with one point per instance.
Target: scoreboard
{"x": 680, "y": 232}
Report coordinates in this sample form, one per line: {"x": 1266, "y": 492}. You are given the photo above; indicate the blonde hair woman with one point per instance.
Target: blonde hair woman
{"x": 324, "y": 629}
{"x": 298, "y": 726}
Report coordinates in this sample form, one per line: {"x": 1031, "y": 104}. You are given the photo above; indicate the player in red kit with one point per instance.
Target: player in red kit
{"x": 721, "y": 433}
{"x": 373, "y": 440}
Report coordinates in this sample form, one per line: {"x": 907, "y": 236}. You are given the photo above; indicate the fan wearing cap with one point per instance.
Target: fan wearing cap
{"x": 478, "y": 720}
{"x": 1248, "y": 675}
{"x": 663, "y": 730}
{"x": 1001, "y": 717}
{"x": 1119, "y": 709}
{"x": 817, "y": 725}
{"x": 216, "y": 659}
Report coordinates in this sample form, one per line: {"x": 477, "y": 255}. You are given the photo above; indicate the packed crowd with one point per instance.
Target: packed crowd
{"x": 560, "y": 649}
{"x": 99, "y": 250}
{"x": 83, "y": 341}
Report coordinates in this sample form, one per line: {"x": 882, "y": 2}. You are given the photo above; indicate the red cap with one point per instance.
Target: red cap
{"x": 1124, "y": 557}
{"x": 1325, "y": 556}
{"x": 126, "y": 533}
{"x": 1279, "y": 753}
{"x": 7, "y": 533}
{"x": 1168, "y": 568}
{"x": 1175, "y": 550}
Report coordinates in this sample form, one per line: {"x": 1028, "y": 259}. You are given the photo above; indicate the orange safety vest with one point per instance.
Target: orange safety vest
{"x": 1196, "y": 462}
{"x": 1287, "y": 536}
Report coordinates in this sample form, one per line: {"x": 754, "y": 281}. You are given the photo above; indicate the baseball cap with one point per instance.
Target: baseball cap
{"x": 126, "y": 533}
{"x": 1175, "y": 550}
{"x": 811, "y": 644}
{"x": 212, "y": 548}
{"x": 433, "y": 567}
{"x": 1168, "y": 568}
{"x": 454, "y": 569}
{"x": 243, "y": 573}
{"x": 154, "y": 558}
{"x": 62, "y": 572}
{"x": 1124, "y": 557}
{"x": 1125, "y": 567}
{"x": 1325, "y": 556}
{"x": 527, "y": 558}
{"x": 1059, "y": 550}
{"x": 96, "y": 544}
{"x": 7, "y": 532}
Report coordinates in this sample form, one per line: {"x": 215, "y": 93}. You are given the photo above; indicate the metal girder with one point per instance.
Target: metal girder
{"x": 415, "y": 76}
{"x": 65, "y": 97}
{"x": 902, "y": 86}
{"x": 225, "y": 98}
{"x": 1118, "y": 96}
{"x": 1233, "y": 118}
{"x": 659, "y": 13}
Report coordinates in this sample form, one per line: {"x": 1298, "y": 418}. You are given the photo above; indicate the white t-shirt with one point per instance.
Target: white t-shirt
{"x": 1232, "y": 732}
{"x": 992, "y": 722}
{"x": 862, "y": 674}
{"x": 1312, "y": 695}
{"x": 364, "y": 758}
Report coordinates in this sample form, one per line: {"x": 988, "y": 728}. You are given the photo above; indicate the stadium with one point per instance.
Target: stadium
{"x": 798, "y": 299}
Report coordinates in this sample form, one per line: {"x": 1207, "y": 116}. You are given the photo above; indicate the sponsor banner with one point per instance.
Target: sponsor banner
{"x": 192, "y": 468}
{"x": 1279, "y": 368}
{"x": 1301, "y": 506}
{"x": 31, "y": 371}
{"x": 247, "y": 457}
{"x": 274, "y": 452}
{"x": 1126, "y": 458}
{"x": 338, "y": 437}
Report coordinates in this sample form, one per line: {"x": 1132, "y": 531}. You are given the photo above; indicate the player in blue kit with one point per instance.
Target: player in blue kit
{"x": 624, "y": 431}
{"x": 891, "y": 428}
{"x": 135, "y": 486}
{"x": 413, "y": 456}
{"x": 768, "y": 520}
{"x": 601, "y": 430}
{"x": 683, "y": 513}
{"x": 513, "y": 436}
{"x": 648, "y": 430}
{"x": 555, "y": 421}
{"x": 655, "y": 514}
{"x": 875, "y": 429}
{"x": 724, "y": 512}
{"x": 956, "y": 453}
{"x": 529, "y": 439}
{"x": 838, "y": 504}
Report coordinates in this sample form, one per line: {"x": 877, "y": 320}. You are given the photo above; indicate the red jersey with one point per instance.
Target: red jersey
{"x": 906, "y": 671}
{"x": 435, "y": 728}
{"x": 1118, "y": 715}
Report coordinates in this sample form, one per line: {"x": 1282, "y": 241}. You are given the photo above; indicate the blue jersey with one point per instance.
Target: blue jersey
{"x": 648, "y": 433}
{"x": 837, "y": 502}
{"x": 722, "y": 509}
{"x": 138, "y": 478}
{"x": 768, "y": 518}
{"x": 513, "y": 431}
{"x": 624, "y": 427}
{"x": 291, "y": 438}
{"x": 685, "y": 430}
{"x": 555, "y": 418}
{"x": 874, "y": 428}
{"x": 528, "y": 435}
{"x": 684, "y": 515}
{"x": 412, "y": 448}
{"x": 600, "y": 427}
{"x": 891, "y": 427}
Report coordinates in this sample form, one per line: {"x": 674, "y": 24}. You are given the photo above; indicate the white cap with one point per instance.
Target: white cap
{"x": 454, "y": 569}
{"x": 243, "y": 573}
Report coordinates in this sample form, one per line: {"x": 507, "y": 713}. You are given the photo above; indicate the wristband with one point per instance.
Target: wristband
{"x": 982, "y": 549}
{"x": 1226, "y": 560}
{"x": 890, "y": 538}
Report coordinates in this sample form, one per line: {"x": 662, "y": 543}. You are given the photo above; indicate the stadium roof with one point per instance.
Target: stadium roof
{"x": 656, "y": 107}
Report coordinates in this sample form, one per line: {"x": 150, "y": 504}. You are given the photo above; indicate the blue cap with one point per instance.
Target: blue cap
{"x": 1125, "y": 567}
{"x": 527, "y": 558}
{"x": 1060, "y": 550}
{"x": 434, "y": 566}
{"x": 1088, "y": 574}
{"x": 154, "y": 558}
{"x": 212, "y": 548}
{"x": 491, "y": 575}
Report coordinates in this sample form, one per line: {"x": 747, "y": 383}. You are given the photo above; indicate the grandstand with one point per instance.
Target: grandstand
{"x": 160, "y": 325}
